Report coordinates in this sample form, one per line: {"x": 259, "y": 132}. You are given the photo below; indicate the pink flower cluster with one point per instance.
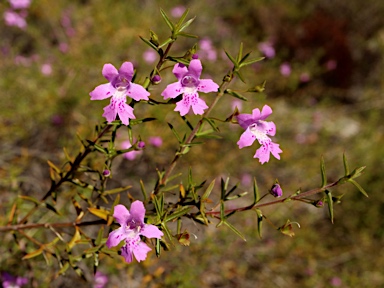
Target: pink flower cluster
{"x": 15, "y": 16}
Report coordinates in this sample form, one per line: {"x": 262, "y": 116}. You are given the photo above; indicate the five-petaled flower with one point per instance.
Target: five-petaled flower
{"x": 257, "y": 128}
{"x": 132, "y": 226}
{"x": 189, "y": 84}
{"x": 119, "y": 87}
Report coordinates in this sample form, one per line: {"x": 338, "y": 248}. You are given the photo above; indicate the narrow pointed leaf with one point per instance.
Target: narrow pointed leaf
{"x": 231, "y": 58}
{"x": 229, "y": 225}
{"x": 345, "y": 162}
{"x": 235, "y": 94}
{"x": 182, "y": 18}
{"x": 357, "y": 185}
{"x": 178, "y": 213}
{"x": 186, "y": 24}
{"x": 174, "y": 132}
{"x": 240, "y": 54}
{"x": 33, "y": 254}
{"x": 167, "y": 20}
{"x": 259, "y": 221}
{"x": 322, "y": 169}
{"x": 330, "y": 203}
{"x": 149, "y": 43}
{"x": 256, "y": 194}
{"x": 103, "y": 214}
{"x": 208, "y": 190}
{"x": 249, "y": 62}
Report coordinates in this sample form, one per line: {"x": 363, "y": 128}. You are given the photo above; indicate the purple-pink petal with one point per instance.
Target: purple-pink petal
{"x": 109, "y": 72}
{"x": 137, "y": 211}
{"x": 102, "y": 91}
{"x": 245, "y": 120}
{"x": 140, "y": 251}
{"x": 115, "y": 237}
{"x": 110, "y": 113}
{"x": 121, "y": 214}
{"x": 262, "y": 153}
{"x": 270, "y": 128}
{"x": 151, "y": 231}
{"x": 275, "y": 150}
{"x": 182, "y": 107}
{"x": 137, "y": 92}
{"x": 125, "y": 113}
{"x": 127, "y": 253}
{"x": 195, "y": 67}
{"x": 265, "y": 112}
{"x": 126, "y": 70}
{"x": 199, "y": 106}
{"x": 246, "y": 139}
{"x": 207, "y": 85}
{"x": 180, "y": 70}
{"x": 172, "y": 90}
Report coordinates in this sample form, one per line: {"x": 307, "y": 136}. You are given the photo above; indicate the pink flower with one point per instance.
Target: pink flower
{"x": 189, "y": 84}
{"x": 118, "y": 88}
{"x": 131, "y": 155}
{"x": 20, "y": 4}
{"x": 177, "y": 11}
{"x": 12, "y": 18}
{"x": 10, "y": 281}
{"x": 149, "y": 56}
{"x": 155, "y": 141}
{"x": 257, "y": 128}
{"x": 285, "y": 69}
{"x": 46, "y": 69}
{"x": 132, "y": 226}
{"x": 267, "y": 49}
{"x": 207, "y": 51}
{"x": 100, "y": 280}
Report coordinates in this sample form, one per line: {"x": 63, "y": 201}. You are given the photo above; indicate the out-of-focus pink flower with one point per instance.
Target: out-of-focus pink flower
{"x": 20, "y": 4}
{"x": 246, "y": 179}
{"x": 331, "y": 65}
{"x": 236, "y": 103}
{"x": 267, "y": 49}
{"x": 100, "y": 280}
{"x": 46, "y": 69}
{"x": 207, "y": 51}
{"x": 22, "y": 60}
{"x": 10, "y": 281}
{"x": 156, "y": 141}
{"x": 177, "y": 11}
{"x": 131, "y": 155}
{"x": 13, "y": 18}
{"x": 149, "y": 56}
{"x": 285, "y": 69}
{"x": 336, "y": 281}
{"x": 305, "y": 77}
{"x": 63, "y": 47}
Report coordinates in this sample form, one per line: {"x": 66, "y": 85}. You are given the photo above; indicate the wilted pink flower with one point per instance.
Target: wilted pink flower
{"x": 132, "y": 226}
{"x": 100, "y": 280}
{"x": 20, "y": 4}
{"x": 276, "y": 190}
{"x": 267, "y": 49}
{"x": 257, "y": 128}
{"x": 189, "y": 84}
{"x": 10, "y": 281}
{"x": 155, "y": 141}
{"x": 13, "y": 18}
{"x": 285, "y": 69}
{"x": 119, "y": 87}
{"x": 177, "y": 11}
{"x": 149, "y": 56}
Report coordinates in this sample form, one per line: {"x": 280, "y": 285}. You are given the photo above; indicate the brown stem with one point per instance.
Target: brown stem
{"x": 297, "y": 197}
{"x": 20, "y": 227}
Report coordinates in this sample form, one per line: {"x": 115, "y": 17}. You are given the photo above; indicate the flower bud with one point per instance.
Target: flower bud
{"x": 106, "y": 173}
{"x": 141, "y": 144}
{"x": 156, "y": 79}
{"x": 195, "y": 56}
{"x": 276, "y": 190}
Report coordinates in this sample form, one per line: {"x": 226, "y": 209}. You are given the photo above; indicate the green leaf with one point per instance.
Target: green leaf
{"x": 99, "y": 236}
{"x": 188, "y": 35}
{"x": 240, "y": 76}
{"x": 259, "y": 221}
{"x": 231, "y": 58}
{"x": 251, "y": 62}
{"x": 208, "y": 190}
{"x": 143, "y": 191}
{"x": 330, "y": 203}
{"x": 149, "y": 43}
{"x": 33, "y": 254}
{"x": 166, "y": 42}
{"x": 346, "y": 168}
{"x": 174, "y": 132}
{"x": 185, "y": 25}
{"x": 235, "y": 94}
{"x": 256, "y": 194}
{"x": 117, "y": 190}
{"x": 323, "y": 176}
{"x": 167, "y": 20}
{"x": 357, "y": 185}
{"x": 166, "y": 230}
{"x": 50, "y": 207}
{"x": 240, "y": 54}
{"x": 236, "y": 196}
{"x": 229, "y": 225}
{"x": 212, "y": 124}
{"x": 178, "y": 213}
{"x": 182, "y": 18}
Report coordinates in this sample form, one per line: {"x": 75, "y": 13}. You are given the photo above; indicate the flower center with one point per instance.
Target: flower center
{"x": 189, "y": 81}
{"x": 121, "y": 83}
{"x": 259, "y": 129}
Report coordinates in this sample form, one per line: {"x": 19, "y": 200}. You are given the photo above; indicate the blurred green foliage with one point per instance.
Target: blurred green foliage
{"x": 337, "y": 110}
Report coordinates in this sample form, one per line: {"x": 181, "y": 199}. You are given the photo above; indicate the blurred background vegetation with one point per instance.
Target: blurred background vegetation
{"x": 324, "y": 75}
